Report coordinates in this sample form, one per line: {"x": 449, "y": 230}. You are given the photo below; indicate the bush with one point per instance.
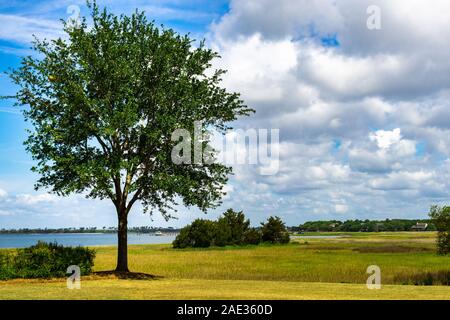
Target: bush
{"x": 45, "y": 260}
{"x": 222, "y": 233}
{"x": 6, "y": 266}
{"x": 227, "y": 230}
{"x": 274, "y": 231}
{"x": 252, "y": 236}
{"x": 199, "y": 234}
{"x": 232, "y": 227}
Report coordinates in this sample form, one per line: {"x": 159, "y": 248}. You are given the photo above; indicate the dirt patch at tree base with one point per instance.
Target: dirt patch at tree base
{"x": 122, "y": 275}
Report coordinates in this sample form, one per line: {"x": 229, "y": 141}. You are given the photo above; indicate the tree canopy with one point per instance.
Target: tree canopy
{"x": 441, "y": 218}
{"x": 104, "y": 102}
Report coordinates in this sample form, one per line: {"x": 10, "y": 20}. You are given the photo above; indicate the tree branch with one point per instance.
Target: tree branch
{"x": 134, "y": 199}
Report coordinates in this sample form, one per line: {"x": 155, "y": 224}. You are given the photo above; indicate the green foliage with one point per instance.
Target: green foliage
{"x": 274, "y": 231}
{"x": 232, "y": 228}
{"x": 441, "y": 219}
{"x": 104, "y": 102}
{"x": 252, "y": 236}
{"x": 320, "y": 225}
{"x": 222, "y": 233}
{"x": 234, "y": 225}
{"x": 183, "y": 238}
{"x": 45, "y": 260}
{"x": 199, "y": 234}
{"x": 6, "y": 265}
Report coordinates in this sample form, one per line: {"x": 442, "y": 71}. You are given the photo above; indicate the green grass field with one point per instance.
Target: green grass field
{"x": 304, "y": 269}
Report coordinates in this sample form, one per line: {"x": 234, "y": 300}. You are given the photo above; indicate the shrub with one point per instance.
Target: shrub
{"x": 252, "y": 236}
{"x": 230, "y": 229}
{"x": 45, "y": 260}
{"x": 222, "y": 233}
{"x": 441, "y": 219}
{"x": 233, "y": 226}
{"x": 274, "y": 231}
{"x": 199, "y": 234}
{"x": 182, "y": 239}
{"x": 6, "y": 266}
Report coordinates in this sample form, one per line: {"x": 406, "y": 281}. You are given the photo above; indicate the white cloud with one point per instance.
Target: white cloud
{"x": 228, "y": 189}
{"x": 351, "y": 117}
{"x": 385, "y": 139}
{"x": 402, "y": 180}
{"x": 21, "y": 29}
{"x": 252, "y": 69}
{"x": 364, "y": 125}
{"x": 29, "y": 199}
{"x": 341, "y": 208}
{"x": 4, "y": 213}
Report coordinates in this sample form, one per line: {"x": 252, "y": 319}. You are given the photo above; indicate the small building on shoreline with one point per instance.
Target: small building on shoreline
{"x": 419, "y": 226}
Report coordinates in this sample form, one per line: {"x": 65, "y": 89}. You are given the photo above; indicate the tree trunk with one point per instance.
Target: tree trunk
{"x": 122, "y": 243}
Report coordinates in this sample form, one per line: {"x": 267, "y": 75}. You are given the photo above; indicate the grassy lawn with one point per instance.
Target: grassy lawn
{"x": 213, "y": 289}
{"x": 306, "y": 269}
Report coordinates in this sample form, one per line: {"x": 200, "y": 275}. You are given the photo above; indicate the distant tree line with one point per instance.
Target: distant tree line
{"x": 89, "y": 230}
{"x": 363, "y": 225}
{"x": 310, "y": 226}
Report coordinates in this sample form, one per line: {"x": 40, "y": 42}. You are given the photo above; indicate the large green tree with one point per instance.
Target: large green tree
{"x": 440, "y": 216}
{"x": 104, "y": 101}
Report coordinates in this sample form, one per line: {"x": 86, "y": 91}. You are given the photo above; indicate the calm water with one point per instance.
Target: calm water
{"x": 79, "y": 239}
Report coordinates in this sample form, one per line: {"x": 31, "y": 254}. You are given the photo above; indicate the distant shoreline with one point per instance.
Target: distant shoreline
{"x": 25, "y": 240}
{"x": 78, "y": 233}
{"x": 388, "y": 225}
{"x": 139, "y": 230}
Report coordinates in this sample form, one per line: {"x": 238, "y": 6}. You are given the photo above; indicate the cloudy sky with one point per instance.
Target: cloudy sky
{"x": 364, "y": 115}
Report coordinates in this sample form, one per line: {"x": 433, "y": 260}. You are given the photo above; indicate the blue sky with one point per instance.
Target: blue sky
{"x": 184, "y": 16}
{"x": 363, "y": 115}
{"x": 192, "y": 17}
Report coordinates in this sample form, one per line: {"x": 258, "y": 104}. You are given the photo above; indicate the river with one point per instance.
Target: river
{"x": 78, "y": 239}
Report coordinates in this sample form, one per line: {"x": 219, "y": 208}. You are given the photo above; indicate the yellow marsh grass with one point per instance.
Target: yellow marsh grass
{"x": 213, "y": 289}
{"x": 343, "y": 260}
